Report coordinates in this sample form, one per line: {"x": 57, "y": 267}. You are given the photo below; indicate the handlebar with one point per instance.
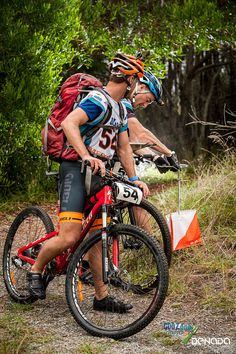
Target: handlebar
{"x": 111, "y": 176}
{"x": 149, "y": 158}
{"x": 182, "y": 165}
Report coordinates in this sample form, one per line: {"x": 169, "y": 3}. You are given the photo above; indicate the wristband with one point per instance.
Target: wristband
{"x": 134, "y": 178}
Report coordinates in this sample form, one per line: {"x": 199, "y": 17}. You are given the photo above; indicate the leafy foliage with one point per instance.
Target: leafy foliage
{"x": 36, "y": 42}
{"x": 43, "y": 42}
{"x": 163, "y": 32}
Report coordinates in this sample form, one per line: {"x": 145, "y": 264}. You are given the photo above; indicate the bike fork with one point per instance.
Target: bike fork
{"x": 112, "y": 266}
{"x": 104, "y": 244}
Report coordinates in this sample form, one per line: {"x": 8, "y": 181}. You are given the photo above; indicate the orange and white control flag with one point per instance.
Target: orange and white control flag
{"x": 184, "y": 229}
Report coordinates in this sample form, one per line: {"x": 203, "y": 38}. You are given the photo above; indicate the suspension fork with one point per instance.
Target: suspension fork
{"x": 105, "y": 267}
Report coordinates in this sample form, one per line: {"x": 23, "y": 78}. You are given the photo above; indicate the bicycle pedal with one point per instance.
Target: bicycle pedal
{"x": 18, "y": 262}
{"x": 117, "y": 282}
{"x": 130, "y": 244}
{"x": 146, "y": 287}
{"x": 85, "y": 275}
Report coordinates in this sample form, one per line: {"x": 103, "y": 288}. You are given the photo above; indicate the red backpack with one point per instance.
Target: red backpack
{"x": 73, "y": 90}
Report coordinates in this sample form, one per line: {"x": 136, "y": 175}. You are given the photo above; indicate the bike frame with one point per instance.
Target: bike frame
{"x": 99, "y": 202}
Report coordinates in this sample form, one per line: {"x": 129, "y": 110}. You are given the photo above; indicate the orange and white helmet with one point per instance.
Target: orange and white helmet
{"x": 124, "y": 65}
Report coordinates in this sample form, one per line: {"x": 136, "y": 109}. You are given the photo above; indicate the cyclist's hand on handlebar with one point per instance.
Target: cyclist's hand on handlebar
{"x": 144, "y": 188}
{"x": 173, "y": 161}
{"x": 161, "y": 163}
{"x": 95, "y": 164}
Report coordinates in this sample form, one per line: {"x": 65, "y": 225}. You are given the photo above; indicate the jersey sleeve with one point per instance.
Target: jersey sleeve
{"x": 93, "y": 105}
{"x": 123, "y": 128}
{"x": 128, "y": 105}
{"x": 91, "y": 109}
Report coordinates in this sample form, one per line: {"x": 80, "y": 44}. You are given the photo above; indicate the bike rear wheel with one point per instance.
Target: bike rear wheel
{"x": 29, "y": 225}
{"x": 149, "y": 218}
{"x": 143, "y": 265}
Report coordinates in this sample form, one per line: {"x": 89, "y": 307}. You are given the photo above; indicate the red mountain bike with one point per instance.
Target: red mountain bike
{"x": 131, "y": 261}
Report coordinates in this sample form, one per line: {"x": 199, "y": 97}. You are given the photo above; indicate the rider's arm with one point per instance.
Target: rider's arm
{"x": 70, "y": 126}
{"x": 125, "y": 156}
{"x": 138, "y": 133}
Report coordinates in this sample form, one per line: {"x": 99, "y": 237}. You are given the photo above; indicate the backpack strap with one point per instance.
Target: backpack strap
{"x": 107, "y": 115}
{"x": 105, "y": 118}
{"x": 45, "y": 140}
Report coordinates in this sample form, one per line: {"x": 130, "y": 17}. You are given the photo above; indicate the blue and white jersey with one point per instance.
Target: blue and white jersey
{"x": 128, "y": 105}
{"x": 103, "y": 143}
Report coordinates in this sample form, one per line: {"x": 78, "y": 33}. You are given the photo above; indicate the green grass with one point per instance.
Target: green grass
{"x": 151, "y": 175}
{"x": 91, "y": 348}
{"x": 166, "y": 339}
{"x": 15, "y": 307}
{"x": 20, "y": 200}
{"x": 17, "y": 336}
{"x": 41, "y": 189}
{"x": 223, "y": 300}
{"x": 207, "y": 272}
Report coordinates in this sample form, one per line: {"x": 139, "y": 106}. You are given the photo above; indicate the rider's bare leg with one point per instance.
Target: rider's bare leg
{"x": 94, "y": 257}
{"x": 68, "y": 236}
{"x": 142, "y": 219}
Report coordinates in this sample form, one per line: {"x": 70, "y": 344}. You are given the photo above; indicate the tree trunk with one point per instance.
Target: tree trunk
{"x": 201, "y": 85}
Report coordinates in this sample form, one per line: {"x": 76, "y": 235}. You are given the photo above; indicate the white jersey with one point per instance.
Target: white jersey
{"x": 104, "y": 141}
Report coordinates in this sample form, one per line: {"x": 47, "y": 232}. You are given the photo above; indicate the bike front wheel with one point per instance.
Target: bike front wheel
{"x": 29, "y": 225}
{"x": 141, "y": 265}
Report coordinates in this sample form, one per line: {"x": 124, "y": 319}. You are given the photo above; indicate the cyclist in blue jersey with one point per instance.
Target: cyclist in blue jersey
{"x": 110, "y": 136}
{"x": 148, "y": 90}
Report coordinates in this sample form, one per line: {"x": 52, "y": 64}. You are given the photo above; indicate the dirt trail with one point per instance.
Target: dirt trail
{"x": 59, "y": 333}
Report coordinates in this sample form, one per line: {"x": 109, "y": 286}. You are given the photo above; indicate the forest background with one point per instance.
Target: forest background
{"x": 189, "y": 44}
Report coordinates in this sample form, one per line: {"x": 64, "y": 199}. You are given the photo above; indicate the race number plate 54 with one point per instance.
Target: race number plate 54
{"x": 128, "y": 193}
